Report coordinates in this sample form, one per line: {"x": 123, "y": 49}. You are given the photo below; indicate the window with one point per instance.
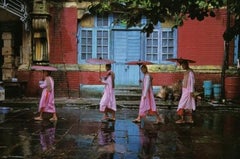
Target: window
{"x": 102, "y": 21}
{"x": 160, "y": 45}
{"x": 86, "y": 44}
{"x": 94, "y": 42}
{"x": 236, "y": 49}
{"x": 102, "y": 43}
{"x": 152, "y": 47}
{"x": 40, "y": 48}
{"x": 167, "y": 45}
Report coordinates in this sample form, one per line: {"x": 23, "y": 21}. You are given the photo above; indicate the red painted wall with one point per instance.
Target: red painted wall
{"x": 32, "y": 78}
{"x": 203, "y": 41}
{"x": 165, "y": 78}
{"x": 63, "y": 31}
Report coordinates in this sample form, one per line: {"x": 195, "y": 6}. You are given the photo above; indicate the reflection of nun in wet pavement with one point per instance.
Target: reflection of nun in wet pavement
{"x": 147, "y": 145}
{"x": 106, "y": 134}
{"x": 47, "y": 137}
{"x": 106, "y": 139}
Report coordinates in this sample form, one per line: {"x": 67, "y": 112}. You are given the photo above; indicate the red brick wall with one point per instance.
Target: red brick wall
{"x": 89, "y": 78}
{"x": 203, "y": 41}
{"x": 32, "y": 78}
{"x": 165, "y": 78}
{"x": 68, "y": 83}
{"x": 63, "y": 31}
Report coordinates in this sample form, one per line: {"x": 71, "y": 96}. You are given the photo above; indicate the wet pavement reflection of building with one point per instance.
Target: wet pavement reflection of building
{"x": 79, "y": 134}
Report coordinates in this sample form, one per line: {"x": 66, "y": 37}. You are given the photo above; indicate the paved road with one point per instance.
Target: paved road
{"x": 79, "y": 134}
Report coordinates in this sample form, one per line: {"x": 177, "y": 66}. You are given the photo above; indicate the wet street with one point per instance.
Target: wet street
{"x": 80, "y": 134}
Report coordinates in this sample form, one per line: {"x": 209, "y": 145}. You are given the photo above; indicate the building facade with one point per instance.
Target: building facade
{"x": 63, "y": 34}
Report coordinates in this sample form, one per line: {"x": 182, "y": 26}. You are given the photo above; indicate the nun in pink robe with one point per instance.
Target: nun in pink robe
{"x": 47, "y": 101}
{"x": 187, "y": 102}
{"x": 147, "y": 104}
{"x": 108, "y": 100}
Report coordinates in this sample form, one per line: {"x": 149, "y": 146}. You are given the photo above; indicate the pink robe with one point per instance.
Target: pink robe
{"x": 186, "y": 100}
{"x": 47, "y": 103}
{"x": 108, "y": 99}
{"x": 147, "y": 105}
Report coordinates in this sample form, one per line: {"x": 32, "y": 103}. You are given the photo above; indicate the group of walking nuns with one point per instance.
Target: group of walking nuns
{"x": 147, "y": 104}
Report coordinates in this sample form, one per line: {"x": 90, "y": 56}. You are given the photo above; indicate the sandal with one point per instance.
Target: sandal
{"x": 38, "y": 118}
{"x": 53, "y": 119}
{"x": 136, "y": 121}
{"x": 158, "y": 122}
{"x": 190, "y": 121}
{"x": 180, "y": 121}
{"x": 104, "y": 120}
{"x": 105, "y": 117}
{"x": 111, "y": 119}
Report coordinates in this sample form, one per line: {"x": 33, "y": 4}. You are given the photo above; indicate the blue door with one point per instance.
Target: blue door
{"x": 126, "y": 47}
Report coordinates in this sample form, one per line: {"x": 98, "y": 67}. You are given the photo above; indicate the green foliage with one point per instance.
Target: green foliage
{"x": 161, "y": 10}
{"x": 233, "y": 29}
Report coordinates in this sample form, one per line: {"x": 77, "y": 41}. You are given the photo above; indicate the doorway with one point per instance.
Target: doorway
{"x": 126, "y": 47}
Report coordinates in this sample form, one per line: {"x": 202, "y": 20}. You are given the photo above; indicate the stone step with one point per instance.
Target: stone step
{"x": 122, "y": 96}
{"x": 128, "y": 93}
{"x": 121, "y": 92}
{"x": 128, "y": 90}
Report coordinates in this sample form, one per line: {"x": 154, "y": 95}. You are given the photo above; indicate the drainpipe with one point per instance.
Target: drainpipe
{"x": 226, "y": 54}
